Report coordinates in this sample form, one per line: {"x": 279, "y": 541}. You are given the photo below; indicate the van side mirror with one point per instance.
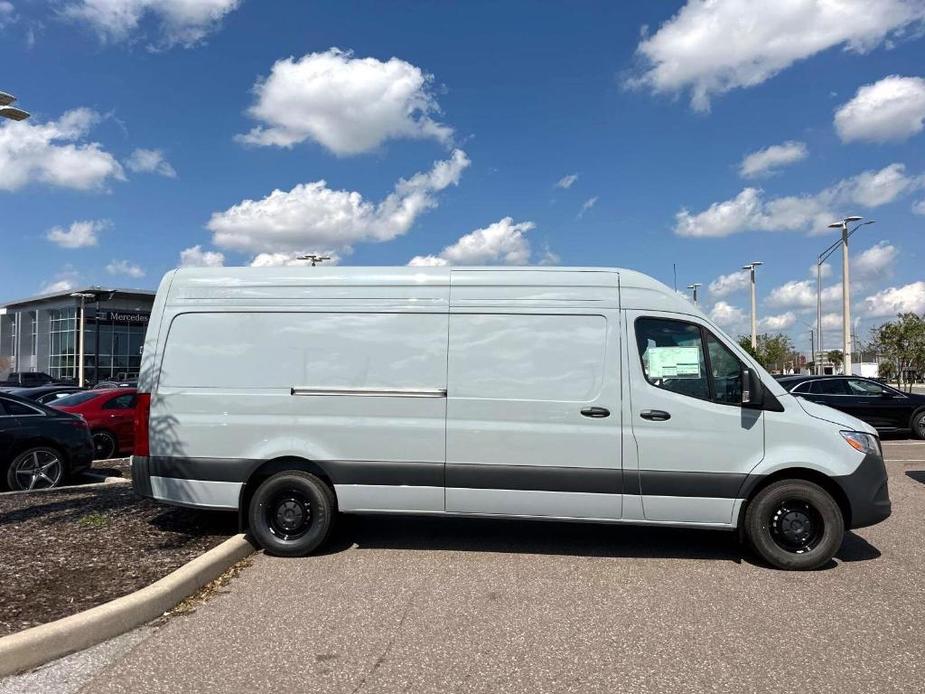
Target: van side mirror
{"x": 752, "y": 390}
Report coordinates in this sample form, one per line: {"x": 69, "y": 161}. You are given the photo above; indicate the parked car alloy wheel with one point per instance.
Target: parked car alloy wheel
{"x": 37, "y": 468}
{"x": 105, "y": 445}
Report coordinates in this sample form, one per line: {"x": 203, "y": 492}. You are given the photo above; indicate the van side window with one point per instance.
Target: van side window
{"x": 672, "y": 356}
{"x": 726, "y": 370}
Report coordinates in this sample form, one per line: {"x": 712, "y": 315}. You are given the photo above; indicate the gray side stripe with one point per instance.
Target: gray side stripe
{"x": 471, "y": 476}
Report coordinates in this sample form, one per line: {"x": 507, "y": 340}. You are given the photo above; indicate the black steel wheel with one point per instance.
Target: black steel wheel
{"x": 36, "y": 468}
{"x": 794, "y": 524}
{"x": 291, "y": 513}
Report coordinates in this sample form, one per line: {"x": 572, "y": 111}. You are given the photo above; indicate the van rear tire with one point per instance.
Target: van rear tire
{"x": 291, "y": 513}
{"x": 794, "y": 525}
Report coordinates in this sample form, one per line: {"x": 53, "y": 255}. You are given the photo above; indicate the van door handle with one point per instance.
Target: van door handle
{"x": 655, "y": 415}
{"x": 596, "y": 412}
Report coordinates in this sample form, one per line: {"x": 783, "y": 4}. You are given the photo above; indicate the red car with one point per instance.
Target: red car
{"x": 110, "y": 413}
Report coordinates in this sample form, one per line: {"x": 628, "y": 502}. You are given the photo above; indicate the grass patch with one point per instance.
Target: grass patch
{"x": 94, "y": 520}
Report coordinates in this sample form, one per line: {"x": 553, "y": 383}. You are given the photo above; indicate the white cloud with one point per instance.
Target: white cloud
{"x": 826, "y": 270}
{"x": 888, "y": 302}
{"x": 125, "y": 267}
{"x": 428, "y": 261}
{"x": 348, "y": 105}
{"x": 726, "y": 315}
{"x": 891, "y": 109}
{"x": 64, "y": 281}
{"x": 831, "y": 321}
{"x": 78, "y": 234}
{"x": 179, "y": 22}
{"x": 771, "y": 159}
{"x": 801, "y": 294}
{"x": 587, "y": 205}
{"x": 714, "y": 46}
{"x": 7, "y": 13}
{"x": 750, "y": 211}
{"x": 566, "y": 181}
{"x": 65, "y": 285}
{"x": 291, "y": 259}
{"x": 311, "y": 215}
{"x": 150, "y": 161}
{"x": 51, "y": 153}
{"x": 501, "y": 243}
{"x": 874, "y": 263}
{"x": 724, "y": 285}
{"x": 919, "y": 207}
{"x": 875, "y": 188}
{"x": 777, "y": 323}
{"x": 196, "y": 257}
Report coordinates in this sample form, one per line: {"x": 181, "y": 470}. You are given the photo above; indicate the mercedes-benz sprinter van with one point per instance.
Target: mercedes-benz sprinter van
{"x": 295, "y": 394}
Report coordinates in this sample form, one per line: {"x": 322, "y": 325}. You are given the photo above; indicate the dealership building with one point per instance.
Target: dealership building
{"x": 41, "y": 333}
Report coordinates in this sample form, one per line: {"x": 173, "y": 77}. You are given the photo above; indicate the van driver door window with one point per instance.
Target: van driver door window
{"x": 696, "y": 443}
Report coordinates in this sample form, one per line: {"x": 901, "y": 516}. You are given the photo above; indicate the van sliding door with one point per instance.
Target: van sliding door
{"x": 533, "y": 413}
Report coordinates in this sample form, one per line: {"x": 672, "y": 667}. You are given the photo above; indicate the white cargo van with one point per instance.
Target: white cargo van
{"x": 292, "y": 394}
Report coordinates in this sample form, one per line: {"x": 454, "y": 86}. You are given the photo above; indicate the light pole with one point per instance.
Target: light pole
{"x": 83, "y": 296}
{"x": 693, "y": 288}
{"x": 8, "y": 111}
{"x": 751, "y": 268}
{"x": 846, "y": 286}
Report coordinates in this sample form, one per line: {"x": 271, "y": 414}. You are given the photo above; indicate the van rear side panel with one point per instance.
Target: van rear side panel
{"x": 350, "y": 377}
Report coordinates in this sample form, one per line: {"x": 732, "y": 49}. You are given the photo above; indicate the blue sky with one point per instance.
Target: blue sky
{"x": 447, "y": 133}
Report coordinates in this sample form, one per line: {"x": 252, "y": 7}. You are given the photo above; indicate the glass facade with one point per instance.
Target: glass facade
{"x": 44, "y": 335}
{"x": 62, "y": 343}
{"x": 113, "y": 350}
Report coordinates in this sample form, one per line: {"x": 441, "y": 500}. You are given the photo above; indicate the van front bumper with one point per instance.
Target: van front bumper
{"x": 867, "y": 492}
{"x": 150, "y": 482}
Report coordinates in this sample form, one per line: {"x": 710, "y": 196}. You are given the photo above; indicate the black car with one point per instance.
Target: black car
{"x": 39, "y": 446}
{"x": 884, "y": 408}
{"x": 26, "y": 379}
{"x": 44, "y": 394}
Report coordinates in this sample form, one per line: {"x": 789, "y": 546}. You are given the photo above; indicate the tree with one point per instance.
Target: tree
{"x": 836, "y": 357}
{"x": 772, "y": 352}
{"x": 901, "y": 344}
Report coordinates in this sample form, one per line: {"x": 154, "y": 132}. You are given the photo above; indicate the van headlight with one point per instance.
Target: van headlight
{"x": 865, "y": 443}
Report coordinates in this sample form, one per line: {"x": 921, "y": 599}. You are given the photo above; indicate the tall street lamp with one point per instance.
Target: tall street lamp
{"x": 94, "y": 294}
{"x": 751, "y": 268}
{"x": 693, "y": 288}
{"x": 8, "y": 111}
{"x": 83, "y": 296}
{"x": 846, "y": 287}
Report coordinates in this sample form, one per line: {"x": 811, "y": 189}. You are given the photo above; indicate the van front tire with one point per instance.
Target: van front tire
{"x": 794, "y": 525}
{"x": 291, "y": 513}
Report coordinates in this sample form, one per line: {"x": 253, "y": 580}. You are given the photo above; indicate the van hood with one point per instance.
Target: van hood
{"x": 833, "y": 416}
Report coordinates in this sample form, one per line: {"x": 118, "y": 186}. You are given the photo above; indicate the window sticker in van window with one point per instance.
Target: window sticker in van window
{"x": 673, "y": 362}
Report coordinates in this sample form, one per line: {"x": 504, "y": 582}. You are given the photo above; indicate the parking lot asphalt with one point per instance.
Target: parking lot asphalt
{"x": 437, "y": 605}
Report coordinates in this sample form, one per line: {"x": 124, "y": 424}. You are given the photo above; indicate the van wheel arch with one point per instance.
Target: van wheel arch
{"x": 270, "y": 468}
{"x": 797, "y": 473}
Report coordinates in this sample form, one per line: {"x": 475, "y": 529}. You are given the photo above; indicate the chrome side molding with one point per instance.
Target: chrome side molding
{"x": 372, "y": 392}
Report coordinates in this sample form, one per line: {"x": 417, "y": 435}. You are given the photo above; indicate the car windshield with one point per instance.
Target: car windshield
{"x": 75, "y": 399}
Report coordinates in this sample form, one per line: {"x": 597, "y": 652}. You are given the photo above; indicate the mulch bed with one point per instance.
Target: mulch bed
{"x": 65, "y": 551}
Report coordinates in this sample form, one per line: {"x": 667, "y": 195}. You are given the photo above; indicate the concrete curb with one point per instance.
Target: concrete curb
{"x": 38, "y": 645}
{"x": 104, "y": 482}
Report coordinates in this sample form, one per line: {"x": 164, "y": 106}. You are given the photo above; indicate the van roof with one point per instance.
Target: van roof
{"x": 638, "y": 290}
